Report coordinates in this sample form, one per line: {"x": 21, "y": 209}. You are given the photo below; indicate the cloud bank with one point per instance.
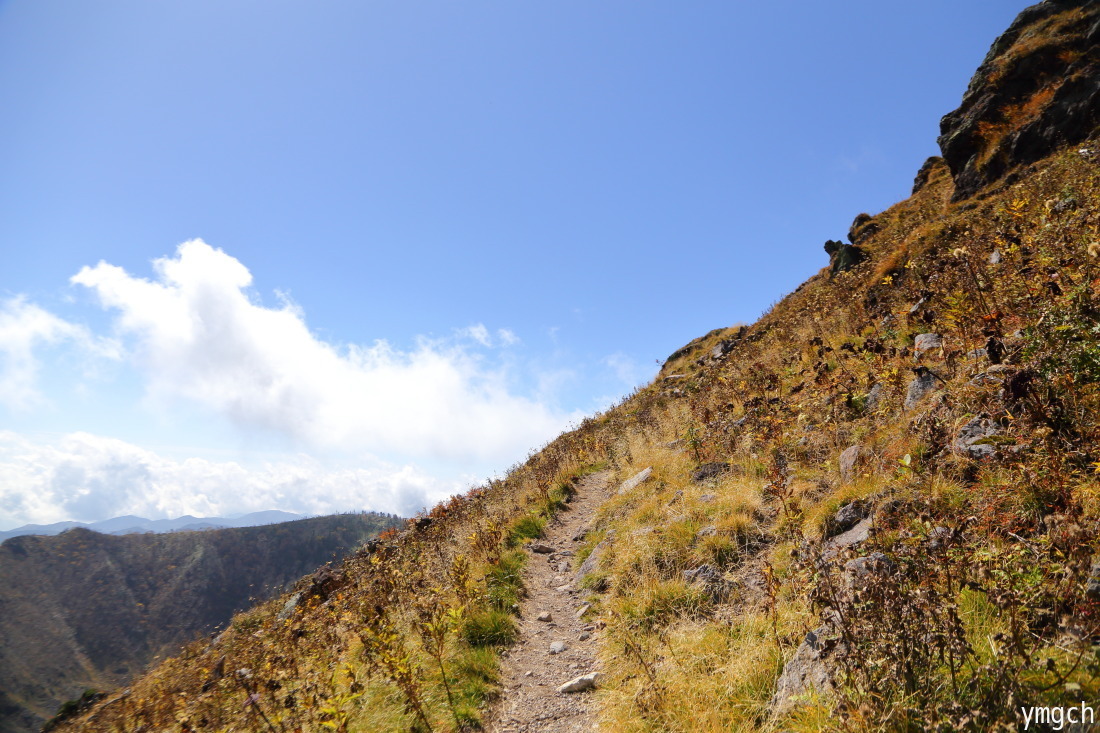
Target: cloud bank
{"x": 197, "y": 335}
{"x": 87, "y": 478}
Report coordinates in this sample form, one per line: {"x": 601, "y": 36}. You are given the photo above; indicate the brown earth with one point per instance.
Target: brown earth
{"x": 530, "y": 674}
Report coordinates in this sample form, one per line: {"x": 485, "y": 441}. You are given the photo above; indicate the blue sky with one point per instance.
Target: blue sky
{"x": 360, "y": 255}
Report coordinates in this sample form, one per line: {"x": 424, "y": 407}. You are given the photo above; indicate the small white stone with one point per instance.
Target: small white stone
{"x": 557, "y": 647}
{"x": 545, "y": 616}
{"x": 580, "y": 684}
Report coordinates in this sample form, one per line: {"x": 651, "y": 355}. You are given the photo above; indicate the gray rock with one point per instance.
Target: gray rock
{"x": 1092, "y": 589}
{"x": 854, "y": 536}
{"x": 968, "y": 439}
{"x": 708, "y": 498}
{"x": 592, "y": 562}
{"x": 581, "y": 684}
{"x": 585, "y": 636}
{"x": 927, "y": 342}
{"x": 545, "y": 617}
{"x": 924, "y": 383}
{"x": 635, "y": 481}
{"x": 847, "y": 517}
{"x": 859, "y": 571}
{"x": 289, "y": 608}
{"x": 810, "y": 669}
{"x": 874, "y": 398}
{"x": 540, "y": 548}
{"x": 584, "y": 608}
{"x": 709, "y": 471}
{"x": 995, "y": 257}
{"x": 557, "y": 647}
{"x": 849, "y": 461}
{"x": 708, "y": 531}
{"x": 710, "y": 578}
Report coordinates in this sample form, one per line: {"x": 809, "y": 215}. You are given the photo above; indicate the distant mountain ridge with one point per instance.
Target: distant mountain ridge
{"x": 130, "y": 524}
{"x": 84, "y": 609}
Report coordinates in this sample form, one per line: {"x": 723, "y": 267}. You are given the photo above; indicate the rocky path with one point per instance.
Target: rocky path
{"x": 555, "y": 644}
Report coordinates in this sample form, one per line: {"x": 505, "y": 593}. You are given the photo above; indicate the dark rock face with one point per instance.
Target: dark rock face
{"x": 843, "y": 256}
{"x": 862, "y": 227}
{"x": 1037, "y": 89}
{"x": 926, "y": 171}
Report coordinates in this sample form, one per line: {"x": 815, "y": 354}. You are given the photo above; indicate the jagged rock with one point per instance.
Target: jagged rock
{"x": 724, "y": 347}
{"x": 635, "y": 481}
{"x": 995, "y": 257}
{"x": 1037, "y": 96}
{"x": 969, "y": 436}
{"x": 709, "y": 471}
{"x": 545, "y": 617}
{"x": 925, "y": 172}
{"x": 582, "y": 683}
{"x": 862, "y": 227}
{"x": 874, "y": 398}
{"x": 843, "y": 256}
{"x": 850, "y": 460}
{"x": 557, "y": 647}
{"x": 847, "y": 517}
{"x": 924, "y": 383}
{"x": 808, "y": 670}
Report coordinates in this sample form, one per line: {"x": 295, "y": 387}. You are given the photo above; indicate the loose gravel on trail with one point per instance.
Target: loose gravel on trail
{"x": 556, "y": 644}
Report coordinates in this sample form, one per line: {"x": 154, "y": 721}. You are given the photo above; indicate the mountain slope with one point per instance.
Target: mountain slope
{"x": 876, "y": 508}
{"x": 88, "y": 610}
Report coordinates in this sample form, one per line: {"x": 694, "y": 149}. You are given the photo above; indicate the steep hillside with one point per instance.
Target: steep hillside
{"x": 876, "y": 508}
{"x": 87, "y": 610}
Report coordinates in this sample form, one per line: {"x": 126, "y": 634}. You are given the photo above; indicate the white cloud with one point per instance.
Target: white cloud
{"x": 23, "y": 328}
{"x": 507, "y": 337}
{"x": 198, "y": 336}
{"x": 87, "y": 478}
{"x": 478, "y": 333}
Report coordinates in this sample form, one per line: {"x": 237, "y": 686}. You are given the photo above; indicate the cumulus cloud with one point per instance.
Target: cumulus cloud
{"x": 24, "y": 327}
{"x": 198, "y": 336}
{"x": 87, "y": 477}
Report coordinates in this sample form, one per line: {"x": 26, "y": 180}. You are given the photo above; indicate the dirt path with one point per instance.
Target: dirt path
{"x": 530, "y": 673}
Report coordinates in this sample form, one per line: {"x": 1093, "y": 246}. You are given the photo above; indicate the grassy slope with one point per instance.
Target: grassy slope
{"x": 86, "y": 610}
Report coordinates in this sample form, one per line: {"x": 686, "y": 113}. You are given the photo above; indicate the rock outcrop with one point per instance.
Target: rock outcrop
{"x": 1038, "y": 88}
